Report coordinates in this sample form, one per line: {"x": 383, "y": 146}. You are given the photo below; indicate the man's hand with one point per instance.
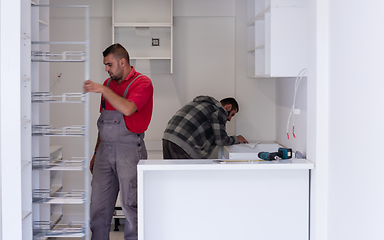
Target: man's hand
{"x": 90, "y": 86}
{"x": 242, "y": 139}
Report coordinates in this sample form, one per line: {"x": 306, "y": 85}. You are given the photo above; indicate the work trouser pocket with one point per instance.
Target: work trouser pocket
{"x": 132, "y": 193}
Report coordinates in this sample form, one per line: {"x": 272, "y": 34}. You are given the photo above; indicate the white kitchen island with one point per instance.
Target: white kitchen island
{"x": 215, "y": 200}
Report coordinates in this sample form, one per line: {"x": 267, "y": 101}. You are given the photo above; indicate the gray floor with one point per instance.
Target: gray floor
{"x": 117, "y": 235}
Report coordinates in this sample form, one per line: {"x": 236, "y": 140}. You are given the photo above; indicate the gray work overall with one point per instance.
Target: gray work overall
{"x": 115, "y": 169}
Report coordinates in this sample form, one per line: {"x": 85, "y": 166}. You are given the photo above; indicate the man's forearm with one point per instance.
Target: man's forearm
{"x": 121, "y": 104}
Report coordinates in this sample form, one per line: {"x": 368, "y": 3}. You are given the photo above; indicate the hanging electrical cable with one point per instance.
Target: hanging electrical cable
{"x": 297, "y": 82}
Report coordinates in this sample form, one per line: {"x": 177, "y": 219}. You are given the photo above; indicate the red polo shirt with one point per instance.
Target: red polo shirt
{"x": 141, "y": 93}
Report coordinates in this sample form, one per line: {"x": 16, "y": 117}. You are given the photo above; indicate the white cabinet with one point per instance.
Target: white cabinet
{"x": 277, "y": 37}
{"x": 48, "y": 164}
{"x": 247, "y": 201}
{"x": 144, "y": 28}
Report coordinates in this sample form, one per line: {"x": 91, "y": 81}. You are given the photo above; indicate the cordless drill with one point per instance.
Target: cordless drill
{"x": 283, "y": 153}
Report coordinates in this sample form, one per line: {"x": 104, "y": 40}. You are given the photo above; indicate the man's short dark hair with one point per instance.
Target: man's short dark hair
{"x": 118, "y": 52}
{"x": 232, "y": 101}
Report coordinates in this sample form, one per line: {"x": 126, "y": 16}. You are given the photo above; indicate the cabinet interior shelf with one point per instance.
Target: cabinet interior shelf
{"x": 47, "y": 197}
{"x": 45, "y": 97}
{"x": 47, "y": 130}
{"x": 46, "y": 163}
{"x": 25, "y": 121}
{"x": 144, "y": 25}
{"x": 67, "y": 56}
{"x": 46, "y": 229}
{"x": 150, "y": 58}
{"x": 43, "y": 23}
{"x": 60, "y": 42}
{"x": 259, "y": 17}
{"x": 260, "y": 47}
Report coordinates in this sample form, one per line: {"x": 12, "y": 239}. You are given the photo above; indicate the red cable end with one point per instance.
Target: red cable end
{"x": 288, "y": 135}
{"x": 293, "y": 131}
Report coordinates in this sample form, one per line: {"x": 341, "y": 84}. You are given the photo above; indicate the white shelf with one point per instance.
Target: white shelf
{"x": 43, "y": 23}
{"x": 67, "y": 56}
{"x": 25, "y": 121}
{"x": 48, "y": 171}
{"x": 150, "y": 58}
{"x": 46, "y": 163}
{"x": 139, "y": 23}
{"x": 145, "y": 25}
{"x": 277, "y": 38}
{"x": 47, "y": 130}
{"x": 259, "y": 17}
{"x": 45, "y": 196}
{"x": 47, "y": 97}
{"x": 44, "y": 229}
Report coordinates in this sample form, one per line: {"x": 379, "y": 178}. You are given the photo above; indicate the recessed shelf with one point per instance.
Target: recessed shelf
{"x": 45, "y": 196}
{"x": 47, "y": 130}
{"x": 47, "y": 97}
{"x": 259, "y": 17}
{"x": 43, "y": 23}
{"x": 146, "y": 25}
{"x": 150, "y": 58}
{"x": 47, "y": 163}
{"x": 45, "y": 229}
{"x": 67, "y": 56}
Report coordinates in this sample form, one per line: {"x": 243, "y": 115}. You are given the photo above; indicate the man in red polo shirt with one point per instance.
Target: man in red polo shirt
{"x": 125, "y": 113}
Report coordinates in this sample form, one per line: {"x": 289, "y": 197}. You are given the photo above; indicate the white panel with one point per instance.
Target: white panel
{"x": 10, "y": 142}
{"x": 288, "y": 44}
{"x": 258, "y": 204}
{"x": 206, "y": 8}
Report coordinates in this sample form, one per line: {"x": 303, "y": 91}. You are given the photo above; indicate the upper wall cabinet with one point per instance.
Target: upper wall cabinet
{"x": 144, "y": 28}
{"x": 277, "y": 37}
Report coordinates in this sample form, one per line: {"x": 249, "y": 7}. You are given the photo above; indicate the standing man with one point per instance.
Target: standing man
{"x": 126, "y": 110}
{"x": 195, "y": 130}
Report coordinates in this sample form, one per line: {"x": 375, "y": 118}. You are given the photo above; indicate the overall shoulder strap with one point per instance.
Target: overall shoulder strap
{"x": 126, "y": 90}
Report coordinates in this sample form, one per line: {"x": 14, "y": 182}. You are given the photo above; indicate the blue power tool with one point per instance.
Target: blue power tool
{"x": 283, "y": 153}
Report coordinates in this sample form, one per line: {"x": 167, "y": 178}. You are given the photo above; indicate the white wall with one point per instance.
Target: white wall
{"x": 209, "y": 58}
{"x": 285, "y": 88}
{"x": 356, "y": 118}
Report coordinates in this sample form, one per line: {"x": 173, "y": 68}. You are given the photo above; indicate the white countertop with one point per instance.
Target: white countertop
{"x": 222, "y": 164}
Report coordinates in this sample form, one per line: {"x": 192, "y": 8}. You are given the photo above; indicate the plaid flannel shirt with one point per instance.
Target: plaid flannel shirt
{"x": 199, "y": 126}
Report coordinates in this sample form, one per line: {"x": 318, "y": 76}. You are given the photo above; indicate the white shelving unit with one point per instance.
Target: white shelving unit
{"x": 46, "y": 162}
{"x": 277, "y": 38}
{"x": 137, "y": 24}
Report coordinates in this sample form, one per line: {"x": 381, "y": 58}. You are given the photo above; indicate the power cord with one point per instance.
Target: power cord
{"x": 297, "y": 82}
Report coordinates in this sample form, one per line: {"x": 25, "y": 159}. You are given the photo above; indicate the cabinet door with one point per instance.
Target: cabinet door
{"x": 277, "y": 38}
